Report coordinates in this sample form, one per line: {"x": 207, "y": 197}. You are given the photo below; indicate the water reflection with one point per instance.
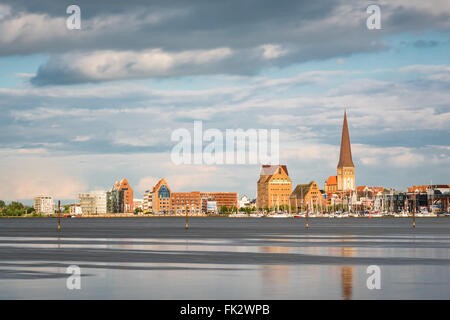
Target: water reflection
{"x": 347, "y": 273}
{"x": 274, "y": 277}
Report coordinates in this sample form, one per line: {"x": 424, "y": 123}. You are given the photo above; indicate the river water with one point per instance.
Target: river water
{"x": 224, "y": 258}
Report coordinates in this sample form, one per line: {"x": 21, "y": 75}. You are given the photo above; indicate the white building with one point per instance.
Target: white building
{"x": 244, "y": 202}
{"x": 75, "y": 209}
{"x": 211, "y": 207}
{"x": 44, "y": 204}
{"x": 93, "y": 202}
{"x": 138, "y": 204}
{"x": 147, "y": 201}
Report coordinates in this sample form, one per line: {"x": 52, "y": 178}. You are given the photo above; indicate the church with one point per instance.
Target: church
{"x": 345, "y": 178}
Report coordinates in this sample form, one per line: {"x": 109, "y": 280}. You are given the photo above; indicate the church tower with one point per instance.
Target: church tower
{"x": 345, "y": 167}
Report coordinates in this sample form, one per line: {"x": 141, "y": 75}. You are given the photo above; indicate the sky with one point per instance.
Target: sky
{"x": 83, "y": 108}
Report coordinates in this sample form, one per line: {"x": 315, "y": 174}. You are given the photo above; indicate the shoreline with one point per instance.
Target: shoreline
{"x": 212, "y": 216}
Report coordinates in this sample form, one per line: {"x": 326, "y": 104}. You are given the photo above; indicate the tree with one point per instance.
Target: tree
{"x": 223, "y": 209}
{"x": 14, "y": 209}
{"x": 2, "y": 204}
{"x": 137, "y": 210}
{"x": 30, "y": 210}
{"x": 245, "y": 209}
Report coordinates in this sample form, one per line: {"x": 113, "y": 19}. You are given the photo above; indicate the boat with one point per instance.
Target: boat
{"x": 256, "y": 215}
{"x": 377, "y": 215}
{"x": 278, "y": 215}
{"x": 238, "y": 215}
{"x": 430, "y": 215}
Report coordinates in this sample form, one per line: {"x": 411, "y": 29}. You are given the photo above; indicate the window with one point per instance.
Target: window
{"x": 164, "y": 192}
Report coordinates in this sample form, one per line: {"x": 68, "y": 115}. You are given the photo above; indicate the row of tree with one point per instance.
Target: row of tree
{"x": 14, "y": 209}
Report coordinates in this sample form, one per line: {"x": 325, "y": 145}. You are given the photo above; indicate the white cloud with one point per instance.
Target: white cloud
{"x": 272, "y": 51}
{"x": 114, "y": 65}
{"x": 81, "y": 138}
{"x": 146, "y": 183}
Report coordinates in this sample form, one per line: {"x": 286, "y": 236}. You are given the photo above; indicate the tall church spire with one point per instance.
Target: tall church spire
{"x": 345, "y": 157}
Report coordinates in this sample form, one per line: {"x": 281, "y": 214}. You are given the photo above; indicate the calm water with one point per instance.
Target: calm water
{"x": 223, "y": 258}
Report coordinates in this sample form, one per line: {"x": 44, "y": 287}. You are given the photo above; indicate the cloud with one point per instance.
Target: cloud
{"x": 114, "y": 65}
{"x": 196, "y": 38}
{"x": 271, "y": 51}
{"x": 146, "y": 183}
{"x": 29, "y": 174}
{"x": 81, "y": 138}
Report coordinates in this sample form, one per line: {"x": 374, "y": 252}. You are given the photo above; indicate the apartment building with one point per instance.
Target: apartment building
{"x": 44, "y": 204}
{"x": 93, "y": 202}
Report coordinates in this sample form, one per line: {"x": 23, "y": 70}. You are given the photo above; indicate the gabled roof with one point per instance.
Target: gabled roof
{"x": 119, "y": 184}
{"x": 332, "y": 180}
{"x": 160, "y": 182}
{"x": 301, "y": 190}
{"x": 268, "y": 170}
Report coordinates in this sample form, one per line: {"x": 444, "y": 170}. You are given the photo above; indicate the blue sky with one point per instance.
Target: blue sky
{"x": 83, "y": 108}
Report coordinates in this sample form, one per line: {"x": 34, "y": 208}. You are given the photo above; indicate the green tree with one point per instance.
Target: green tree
{"x": 223, "y": 209}
{"x": 30, "y": 210}
{"x": 2, "y": 204}
{"x": 15, "y": 208}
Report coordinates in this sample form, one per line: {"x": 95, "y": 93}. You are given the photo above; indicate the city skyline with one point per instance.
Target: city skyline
{"x": 62, "y": 122}
{"x": 345, "y": 159}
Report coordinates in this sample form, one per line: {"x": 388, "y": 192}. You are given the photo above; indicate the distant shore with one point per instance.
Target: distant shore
{"x": 123, "y": 215}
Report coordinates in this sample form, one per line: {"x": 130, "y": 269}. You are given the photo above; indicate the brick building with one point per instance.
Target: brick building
{"x": 306, "y": 197}
{"x": 274, "y": 187}
{"x": 120, "y": 197}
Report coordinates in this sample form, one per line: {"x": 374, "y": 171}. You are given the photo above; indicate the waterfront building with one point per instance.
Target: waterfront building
{"x": 331, "y": 184}
{"x": 307, "y": 196}
{"x": 138, "y": 204}
{"x": 147, "y": 201}
{"x": 120, "y": 197}
{"x": 44, "y": 204}
{"x": 195, "y": 202}
{"x": 345, "y": 167}
{"x": 114, "y": 201}
{"x": 209, "y": 207}
{"x": 433, "y": 198}
{"x": 93, "y": 202}
{"x": 244, "y": 202}
{"x": 161, "y": 195}
{"x": 443, "y": 188}
{"x": 190, "y": 202}
{"x": 274, "y": 187}
{"x": 75, "y": 209}
{"x": 223, "y": 199}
